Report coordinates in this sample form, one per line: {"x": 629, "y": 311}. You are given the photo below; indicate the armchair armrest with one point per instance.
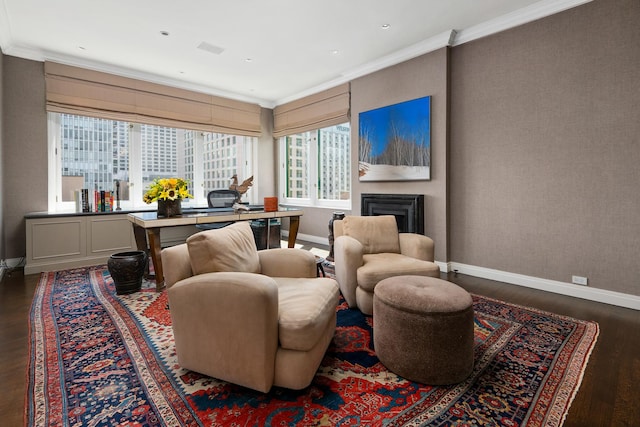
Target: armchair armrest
{"x": 416, "y": 246}
{"x": 348, "y": 254}
{"x": 287, "y": 262}
{"x": 226, "y": 326}
{"x": 176, "y": 264}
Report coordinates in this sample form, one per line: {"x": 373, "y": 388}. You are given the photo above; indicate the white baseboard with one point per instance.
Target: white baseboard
{"x": 308, "y": 238}
{"x": 585, "y": 292}
{"x": 593, "y": 294}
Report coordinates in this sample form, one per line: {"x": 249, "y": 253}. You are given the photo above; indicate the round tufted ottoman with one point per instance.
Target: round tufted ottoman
{"x": 423, "y": 329}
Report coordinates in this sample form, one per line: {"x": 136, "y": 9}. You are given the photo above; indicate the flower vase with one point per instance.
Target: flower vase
{"x": 168, "y": 208}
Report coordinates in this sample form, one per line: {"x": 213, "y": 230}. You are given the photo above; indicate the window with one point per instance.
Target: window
{"x": 316, "y": 167}
{"x": 94, "y": 153}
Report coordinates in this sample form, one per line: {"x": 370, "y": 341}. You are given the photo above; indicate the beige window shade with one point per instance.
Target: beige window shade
{"x": 80, "y": 91}
{"x": 327, "y": 108}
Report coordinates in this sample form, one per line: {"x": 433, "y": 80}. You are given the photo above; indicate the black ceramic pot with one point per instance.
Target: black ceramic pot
{"x": 127, "y": 270}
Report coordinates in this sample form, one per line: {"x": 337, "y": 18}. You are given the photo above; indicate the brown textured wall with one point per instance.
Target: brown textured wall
{"x": 24, "y": 149}
{"x": 422, "y": 76}
{"x": 545, "y": 148}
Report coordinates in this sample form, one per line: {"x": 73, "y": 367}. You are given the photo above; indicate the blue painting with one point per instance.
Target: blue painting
{"x": 395, "y": 142}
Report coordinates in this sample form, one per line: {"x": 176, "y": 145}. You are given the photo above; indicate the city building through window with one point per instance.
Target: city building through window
{"x": 316, "y": 167}
{"x": 102, "y": 154}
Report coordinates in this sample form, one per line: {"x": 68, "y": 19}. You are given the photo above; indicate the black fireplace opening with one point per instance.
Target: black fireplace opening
{"x": 407, "y": 208}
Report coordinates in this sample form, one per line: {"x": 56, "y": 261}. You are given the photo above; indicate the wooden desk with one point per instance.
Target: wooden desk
{"x": 147, "y": 226}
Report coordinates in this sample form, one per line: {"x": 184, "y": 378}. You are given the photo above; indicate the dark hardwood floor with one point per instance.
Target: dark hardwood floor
{"x": 610, "y": 390}
{"x": 609, "y": 394}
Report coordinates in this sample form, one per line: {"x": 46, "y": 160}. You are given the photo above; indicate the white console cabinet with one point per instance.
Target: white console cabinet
{"x": 62, "y": 241}
{"x": 58, "y": 242}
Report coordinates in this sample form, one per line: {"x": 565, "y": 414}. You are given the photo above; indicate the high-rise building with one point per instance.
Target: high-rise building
{"x": 87, "y": 154}
{"x": 333, "y": 162}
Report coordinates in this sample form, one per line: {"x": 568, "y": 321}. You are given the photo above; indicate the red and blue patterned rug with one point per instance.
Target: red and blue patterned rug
{"x": 99, "y": 359}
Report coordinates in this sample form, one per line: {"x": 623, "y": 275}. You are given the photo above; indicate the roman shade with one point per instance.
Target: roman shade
{"x": 327, "y": 108}
{"x": 77, "y": 90}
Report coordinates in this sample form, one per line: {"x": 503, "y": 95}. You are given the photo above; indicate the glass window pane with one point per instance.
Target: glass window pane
{"x": 298, "y": 165}
{"x": 94, "y": 153}
{"x": 230, "y": 152}
{"x": 333, "y": 163}
{"x": 159, "y": 153}
{"x": 329, "y": 149}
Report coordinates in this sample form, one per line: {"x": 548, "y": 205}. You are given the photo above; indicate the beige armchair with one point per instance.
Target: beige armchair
{"x": 253, "y": 318}
{"x": 368, "y": 249}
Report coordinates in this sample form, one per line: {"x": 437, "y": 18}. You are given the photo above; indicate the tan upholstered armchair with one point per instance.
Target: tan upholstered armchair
{"x": 368, "y": 249}
{"x": 254, "y": 318}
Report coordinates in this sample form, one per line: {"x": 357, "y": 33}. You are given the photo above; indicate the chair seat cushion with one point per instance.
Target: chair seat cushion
{"x": 304, "y": 308}
{"x": 378, "y": 267}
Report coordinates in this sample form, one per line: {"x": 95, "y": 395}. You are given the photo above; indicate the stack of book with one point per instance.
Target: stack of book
{"x": 102, "y": 201}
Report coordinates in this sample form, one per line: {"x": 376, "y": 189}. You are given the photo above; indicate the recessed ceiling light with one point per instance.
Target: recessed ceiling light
{"x": 164, "y": 33}
{"x": 248, "y": 60}
{"x": 81, "y": 48}
{"x": 385, "y": 26}
{"x": 335, "y": 52}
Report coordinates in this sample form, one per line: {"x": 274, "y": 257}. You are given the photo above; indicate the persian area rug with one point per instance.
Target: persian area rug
{"x": 99, "y": 359}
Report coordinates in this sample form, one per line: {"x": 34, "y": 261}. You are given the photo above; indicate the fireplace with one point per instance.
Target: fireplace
{"x": 407, "y": 208}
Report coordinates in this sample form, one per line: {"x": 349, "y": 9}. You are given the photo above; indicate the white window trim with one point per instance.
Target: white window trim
{"x": 312, "y": 184}
{"x": 55, "y": 169}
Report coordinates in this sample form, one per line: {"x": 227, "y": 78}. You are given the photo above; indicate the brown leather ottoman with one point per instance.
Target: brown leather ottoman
{"x": 423, "y": 329}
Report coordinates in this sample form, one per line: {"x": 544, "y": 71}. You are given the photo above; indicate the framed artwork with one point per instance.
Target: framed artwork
{"x": 394, "y": 142}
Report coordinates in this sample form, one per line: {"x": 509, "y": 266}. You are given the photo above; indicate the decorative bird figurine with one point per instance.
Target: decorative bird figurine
{"x": 240, "y": 188}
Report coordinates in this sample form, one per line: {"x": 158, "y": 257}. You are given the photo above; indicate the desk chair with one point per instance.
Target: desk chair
{"x": 222, "y": 198}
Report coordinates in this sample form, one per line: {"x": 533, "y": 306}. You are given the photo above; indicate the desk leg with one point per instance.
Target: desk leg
{"x": 154, "y": 248}
{"x": 294, "y": 223}
{"x": 141, "y": 242}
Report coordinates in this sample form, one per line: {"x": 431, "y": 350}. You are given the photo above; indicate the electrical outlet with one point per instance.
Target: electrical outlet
{"x": 579, "y": 280}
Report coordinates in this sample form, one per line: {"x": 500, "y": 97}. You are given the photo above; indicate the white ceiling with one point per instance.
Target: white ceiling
{"x": 268, "y": 51}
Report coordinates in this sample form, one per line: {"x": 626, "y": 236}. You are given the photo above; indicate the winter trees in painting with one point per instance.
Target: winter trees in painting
{"x": 395, "y": 142}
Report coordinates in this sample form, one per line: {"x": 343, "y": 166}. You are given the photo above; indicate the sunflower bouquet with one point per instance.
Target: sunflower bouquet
{"x": 167, "y": 189}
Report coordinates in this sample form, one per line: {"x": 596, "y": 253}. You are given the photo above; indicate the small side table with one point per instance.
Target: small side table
{"x": 319, "y": 267}
{"x": 336, "y": 215}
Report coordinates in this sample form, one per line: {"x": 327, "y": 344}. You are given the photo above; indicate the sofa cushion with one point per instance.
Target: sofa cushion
{"x": 232, "y": 248}
{"x": 304, "y": 308}
{"x": 377, "y": 267}
{"x": 376, "y": 233}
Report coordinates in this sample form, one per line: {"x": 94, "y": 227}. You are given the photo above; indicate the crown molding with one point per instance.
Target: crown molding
{"x": 5, "y": 27}
{"x": 448, "y": 38}
{"x": 402, "y": 55}
{"x": 519, "y": 17}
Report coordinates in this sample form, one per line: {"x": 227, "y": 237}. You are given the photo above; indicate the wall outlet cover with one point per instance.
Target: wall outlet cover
{"x": 579, "y": 280}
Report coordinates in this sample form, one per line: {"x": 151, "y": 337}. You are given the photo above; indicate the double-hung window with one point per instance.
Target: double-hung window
{"x": 111, "y": 155}
{"x": 315, "y": 167}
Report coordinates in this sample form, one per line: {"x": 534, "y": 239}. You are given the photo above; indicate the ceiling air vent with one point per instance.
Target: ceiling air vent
{"x": 217, "y": 50}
